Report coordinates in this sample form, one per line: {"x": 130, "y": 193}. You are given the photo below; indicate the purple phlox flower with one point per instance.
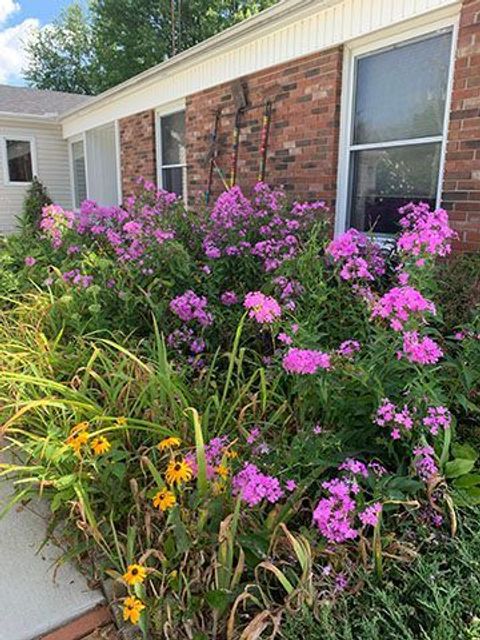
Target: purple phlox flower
{"x": 371, "y": 514}
{"x": 437, "y": 418}
{"x": 334, "y": 514}
{"x": 400, "y": 304}
{"x": 348, "y": 348}
{"x": 253, "y": 486}
{"x": 305, "y": 361}
{"x": 355, "y": 467}
{"x": 264, "y": 309}
{"x": 290, "y": 485}
{"x": 253, "y": 435}
{"x": 425, "y": 232}
{"x": 30, "y": 261}
{"x": 229, "y": 298}
{"x": 420, "y": 350}
{"x": 424, "y": 462}
{"x": 189, "y": 306}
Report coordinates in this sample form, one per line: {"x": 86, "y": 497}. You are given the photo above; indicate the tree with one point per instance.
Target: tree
{"x": 61, "y": 56}
{"x": 120, "y": 38}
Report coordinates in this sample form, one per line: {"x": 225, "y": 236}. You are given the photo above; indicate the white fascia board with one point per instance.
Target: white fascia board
{"x": 290, "y": 30}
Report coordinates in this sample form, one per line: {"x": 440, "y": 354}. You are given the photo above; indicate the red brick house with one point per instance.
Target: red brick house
{"x": 373, "y": 103}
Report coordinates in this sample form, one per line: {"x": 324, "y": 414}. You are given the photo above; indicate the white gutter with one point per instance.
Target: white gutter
{"x": 278, "y": 13}
{"x": 51, "y": 118}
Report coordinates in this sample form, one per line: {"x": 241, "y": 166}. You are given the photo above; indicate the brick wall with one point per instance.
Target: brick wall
{"x": 303, "y": 145}
{"x": 137, "y": 149}
{"x": 461, "y": 186}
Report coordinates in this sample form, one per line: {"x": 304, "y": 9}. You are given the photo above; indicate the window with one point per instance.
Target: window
{"x": 397, "y": 130}
{"x": 18, "y": 158}
{"x": 79, "y": 173}
{"x": 172, "y": 153}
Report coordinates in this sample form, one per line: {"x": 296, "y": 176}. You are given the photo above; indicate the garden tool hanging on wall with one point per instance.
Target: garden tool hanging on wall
{"x": 267, "y": 118}
{"x": 239, "y": 93}
{"x": 212, "y": 157}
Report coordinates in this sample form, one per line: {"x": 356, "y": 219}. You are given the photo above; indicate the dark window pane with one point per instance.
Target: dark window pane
{"x": 385, "y": 179}
{"x": 173, "y": 180}
{"x": 400, "y": 93}
{"x": 19, "y": 159}
{"x": 173, "y": 138}
{"x": 79, "y": 173}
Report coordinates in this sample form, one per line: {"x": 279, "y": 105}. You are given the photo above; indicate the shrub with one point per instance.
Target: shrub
{"x": 35, "y": 200}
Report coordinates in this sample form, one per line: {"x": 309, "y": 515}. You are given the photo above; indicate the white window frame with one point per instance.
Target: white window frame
{"x": 377, "y": 43}
{"x": 161, "y": 112}
{"x": 80, "y": 138}
{"x": 33, "y": 155}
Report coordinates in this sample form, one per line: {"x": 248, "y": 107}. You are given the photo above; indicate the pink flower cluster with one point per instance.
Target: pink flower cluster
{"x": 424, "y": 462}
{"x": 400, "y": 305}
{"x": 348, "y": 348}
{"x": 186, "y": 337}
{"x": 418, "y": 350}
{"x": 55, "y": 222}
{"x": 305, "y": 361}
{"x": 214, "y": 453}
{"x": 359, "y": 257}
{"x": 264, "y": 309}
{"x": 424, "y": 231}
{"x": 264, "y": 227}
{"x": 335, "y": 514}
{"x": 253, "y": 486}
{"x": 402, "y": 420}
{"x": 77, "y": 279}
{"x": 229, "y": 298}
{"x": 398, "y": 420}
{"x": 189, "y": 306}
{"x": 437, "y": 418}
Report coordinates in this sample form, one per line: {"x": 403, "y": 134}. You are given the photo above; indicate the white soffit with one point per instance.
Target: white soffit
{"x": 295, "y": 29}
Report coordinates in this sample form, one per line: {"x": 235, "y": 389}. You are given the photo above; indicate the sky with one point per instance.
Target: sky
{"x": 18, "y": 18}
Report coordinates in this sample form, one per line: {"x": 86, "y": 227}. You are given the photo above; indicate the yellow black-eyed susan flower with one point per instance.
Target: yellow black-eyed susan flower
{"x": 178, "y": 471}
{"x": 135, "y": 574}
{"x": 169, "y": 443}
{"x": 164, "y": 500}
{"x": 78, "y": 437}
{"x": 132, "y": 608}
{"x": 100, "y": 445}
{"x": 223, "y": 471}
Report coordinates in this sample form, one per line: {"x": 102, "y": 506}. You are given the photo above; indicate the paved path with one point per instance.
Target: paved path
{"x": 32, "y": 601}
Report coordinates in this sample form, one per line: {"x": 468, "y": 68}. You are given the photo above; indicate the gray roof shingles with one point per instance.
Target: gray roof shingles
{"x": 35, "y": 102}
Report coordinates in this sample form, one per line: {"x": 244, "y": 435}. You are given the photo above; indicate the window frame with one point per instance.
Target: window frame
{"x": 33, "y": 155}
{"x": 368, "y": 46}
{"x": 162, "y": 112}
{"x": 80, "y": 138}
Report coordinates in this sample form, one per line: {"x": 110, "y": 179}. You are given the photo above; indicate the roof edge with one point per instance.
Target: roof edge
{"x": 276, "y": 13}
{"x": 50, "y": 118}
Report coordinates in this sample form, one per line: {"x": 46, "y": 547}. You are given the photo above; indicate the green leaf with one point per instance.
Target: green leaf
{"x": 465, "y": 451}
{"x": 467, "y": 497}
{"x": 458, "y": 467}
{"x": 218, "y": 598}
{"x": 468, "y": 480}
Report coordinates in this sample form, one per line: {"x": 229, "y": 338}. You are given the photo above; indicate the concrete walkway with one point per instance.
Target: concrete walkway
{"x": 33, "y": 602}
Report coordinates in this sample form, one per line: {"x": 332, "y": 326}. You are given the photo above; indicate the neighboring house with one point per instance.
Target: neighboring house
{"x": 32, "y": 144}
{"x": 374, "y": 103}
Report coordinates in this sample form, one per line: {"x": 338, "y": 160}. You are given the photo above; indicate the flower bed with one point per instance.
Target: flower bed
{"x": 233, "y": 414}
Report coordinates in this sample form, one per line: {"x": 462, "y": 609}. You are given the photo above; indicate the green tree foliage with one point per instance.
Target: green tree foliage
{"x": 88, "y": 53}
{"x": 61, "y": 56}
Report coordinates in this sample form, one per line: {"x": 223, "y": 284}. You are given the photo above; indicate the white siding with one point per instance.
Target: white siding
{"x": 102, "y": 165}
{"x": 52, "y": 168}
{"x": 309, "y": 28}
